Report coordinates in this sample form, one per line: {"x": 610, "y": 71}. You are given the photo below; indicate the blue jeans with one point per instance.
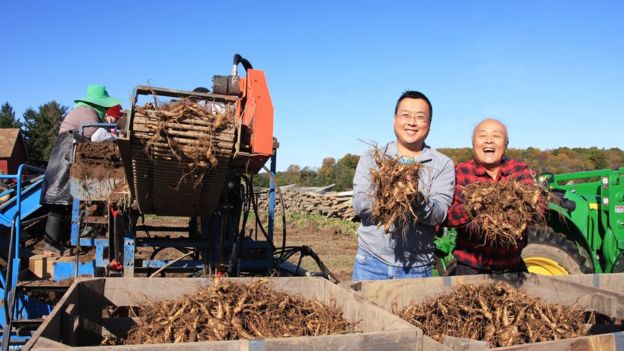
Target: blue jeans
{"x": 368, "y": 267}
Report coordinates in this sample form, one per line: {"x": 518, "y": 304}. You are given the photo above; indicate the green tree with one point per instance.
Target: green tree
{"x": 327, "y": 172}
{"x": 7, "y": 117}
{"x": 307, "y": 177}
{"x": 345, "y": 170}
{"x": 41, "y": 130}
{"x": 598, "y": 157}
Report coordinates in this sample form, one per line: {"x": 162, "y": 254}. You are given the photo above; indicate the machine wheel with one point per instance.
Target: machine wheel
{"x": 551, "y": 253}
{"x": 618, "y": 266}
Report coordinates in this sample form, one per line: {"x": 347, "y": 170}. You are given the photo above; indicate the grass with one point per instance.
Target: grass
{"x": 300, "y": 218}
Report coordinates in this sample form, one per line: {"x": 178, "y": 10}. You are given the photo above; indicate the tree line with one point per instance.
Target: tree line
{"x": 39, "y": 128}
{"x": 560, "y": 160}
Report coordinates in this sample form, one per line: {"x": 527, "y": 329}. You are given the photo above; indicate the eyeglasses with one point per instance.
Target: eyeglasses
{"x": 420, "y": 119}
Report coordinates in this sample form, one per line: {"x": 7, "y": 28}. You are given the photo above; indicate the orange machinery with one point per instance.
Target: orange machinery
{"x": 155, "y": 180}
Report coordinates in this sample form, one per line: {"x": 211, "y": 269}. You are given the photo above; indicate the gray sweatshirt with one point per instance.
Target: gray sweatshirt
{"x": 436, "y": 182}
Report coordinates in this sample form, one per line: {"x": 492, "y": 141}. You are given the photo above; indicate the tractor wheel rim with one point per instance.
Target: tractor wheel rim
{"x": 544, "y": 266}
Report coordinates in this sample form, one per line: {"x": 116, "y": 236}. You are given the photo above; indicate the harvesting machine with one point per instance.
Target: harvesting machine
{"x": 146, "y": 172}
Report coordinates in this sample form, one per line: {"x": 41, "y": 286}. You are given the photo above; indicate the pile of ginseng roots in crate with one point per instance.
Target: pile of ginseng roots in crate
{"x": 228, "y": 310}
{"x": 396, "y": 192}
{"x": 496, "y": 313}
{"x": 500, "y": 212}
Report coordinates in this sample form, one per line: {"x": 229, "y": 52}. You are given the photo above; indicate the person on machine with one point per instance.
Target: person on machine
{"x": 489, "y": 144}
{"x": 55, "y": 192}
{"x": 381, "y": 255}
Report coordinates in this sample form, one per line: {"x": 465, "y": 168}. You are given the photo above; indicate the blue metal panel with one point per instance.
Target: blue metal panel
{"x": 29, "y": 202}
{"x": 65, "y": 270}
{"x": 179, "y": 264}
{"x": 75, "y": 222}
{"x": 129, "y": 248}
{"x": 33, "y": 308}
{"x": 100, "y": 245}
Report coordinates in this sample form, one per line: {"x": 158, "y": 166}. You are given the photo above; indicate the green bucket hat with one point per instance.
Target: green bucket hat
{"x": 97, "y": 95}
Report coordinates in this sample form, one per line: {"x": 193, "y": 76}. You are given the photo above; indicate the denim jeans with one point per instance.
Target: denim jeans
{"x": 368, "y": 267}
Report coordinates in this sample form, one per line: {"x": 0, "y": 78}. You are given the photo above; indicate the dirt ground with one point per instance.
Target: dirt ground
{"x": 334, "y": 241}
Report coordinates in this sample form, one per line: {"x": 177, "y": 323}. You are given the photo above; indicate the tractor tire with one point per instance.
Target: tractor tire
{"x": 450, "y": 267}
{"x": 551, "y": 253}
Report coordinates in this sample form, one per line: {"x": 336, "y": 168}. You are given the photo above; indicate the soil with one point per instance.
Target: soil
{"x": 335, "y": 248}
{"x": 98, "y": 161}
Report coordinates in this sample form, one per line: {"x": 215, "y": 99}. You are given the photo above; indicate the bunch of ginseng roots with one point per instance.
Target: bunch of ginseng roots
{"x": 188, "y": 129}
{"x": 234, "y": 310}
{"x": 500, "y": 212}
{"x": 496, "y": 313}
{"x": 396, "y": 192}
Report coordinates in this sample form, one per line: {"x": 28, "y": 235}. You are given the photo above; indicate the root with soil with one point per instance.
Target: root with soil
{"x": 234, "y": 310}
{"x": 500, "y": 212}
{"x": 396, "y": 192}
{"x": 496, "y": 313}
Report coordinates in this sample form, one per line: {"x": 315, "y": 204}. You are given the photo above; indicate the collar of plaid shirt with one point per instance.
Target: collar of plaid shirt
{"x": 505, "y": 168}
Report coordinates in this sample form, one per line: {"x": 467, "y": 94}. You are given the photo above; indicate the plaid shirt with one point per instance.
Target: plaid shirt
{"x": 470, "y": 250}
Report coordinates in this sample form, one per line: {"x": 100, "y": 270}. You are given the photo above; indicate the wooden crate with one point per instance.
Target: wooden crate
{"x": 77, "y": 318}
{"x": 402, "y": 292}
{"x": 613, "y": 282}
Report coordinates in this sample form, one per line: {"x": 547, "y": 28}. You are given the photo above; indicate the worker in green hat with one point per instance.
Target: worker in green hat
{"x": 56, "y": 195}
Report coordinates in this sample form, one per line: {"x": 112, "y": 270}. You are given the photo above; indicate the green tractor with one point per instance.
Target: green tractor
{"x": 584, "y": 232}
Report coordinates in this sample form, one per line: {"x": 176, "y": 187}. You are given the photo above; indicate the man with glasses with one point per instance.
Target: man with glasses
{"x": 383, "y": 255}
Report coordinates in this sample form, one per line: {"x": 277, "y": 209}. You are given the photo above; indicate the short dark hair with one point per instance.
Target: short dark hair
{"x": 412, "y": 94}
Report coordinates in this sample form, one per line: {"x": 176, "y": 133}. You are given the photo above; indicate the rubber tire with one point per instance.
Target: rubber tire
{"x": 544, "y": 242}
{"x": 450, "y": 267}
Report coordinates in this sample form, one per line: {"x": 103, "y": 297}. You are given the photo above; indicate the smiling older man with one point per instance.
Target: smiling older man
{"x": 489, "y": 144}
{"x": 383, "y": 255}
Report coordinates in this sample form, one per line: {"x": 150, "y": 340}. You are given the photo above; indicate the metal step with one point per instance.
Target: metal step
{"x": 44, "y": 285}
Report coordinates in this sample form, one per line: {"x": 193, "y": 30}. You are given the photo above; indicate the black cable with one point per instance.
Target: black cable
{"x": 307, "y": 251}
{"x": 239, "y": 59}
{"x": 255, "y": 208}
{"x": 248, "y": 198}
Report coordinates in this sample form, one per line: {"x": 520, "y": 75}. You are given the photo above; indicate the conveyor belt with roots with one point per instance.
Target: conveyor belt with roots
{"x": 179, "y": 167}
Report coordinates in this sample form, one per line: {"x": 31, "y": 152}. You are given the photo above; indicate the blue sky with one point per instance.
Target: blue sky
{"x": 553, "y": 71}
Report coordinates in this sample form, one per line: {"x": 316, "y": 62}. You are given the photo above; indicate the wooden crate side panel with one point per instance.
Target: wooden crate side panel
{"x": 135, "y": 291}
{"x": 196, "y": 346}
{"x": 430, "y": 344}
{"x": 613, "y": 282}
{"x": 50, "y": 329}
{"x": 462, "y": 344}
{"x": 89, "y": 312}
{"x": 394, "y": 340}
{"x": 606, "y": 342}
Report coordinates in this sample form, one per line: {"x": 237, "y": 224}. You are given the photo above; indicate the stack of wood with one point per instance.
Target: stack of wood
{"x": 311, "y": 200}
